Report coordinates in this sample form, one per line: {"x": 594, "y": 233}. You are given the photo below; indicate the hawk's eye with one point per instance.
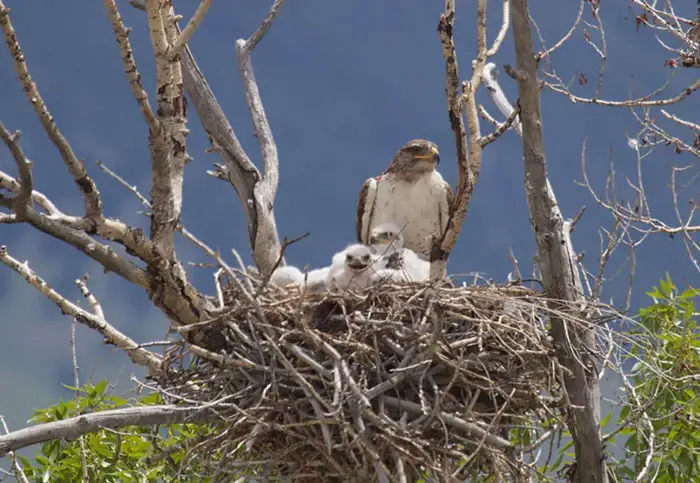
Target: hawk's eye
{"x": 348, "y": 258}
{"x": 365, "y": 258}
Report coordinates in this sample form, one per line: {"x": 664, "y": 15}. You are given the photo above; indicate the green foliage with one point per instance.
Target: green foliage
{"x": 666, "y": 384}
{"x": 138, "y": 454}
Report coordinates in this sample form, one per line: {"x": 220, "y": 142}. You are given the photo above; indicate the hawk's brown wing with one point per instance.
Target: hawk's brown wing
{"x": 365, "y": 208}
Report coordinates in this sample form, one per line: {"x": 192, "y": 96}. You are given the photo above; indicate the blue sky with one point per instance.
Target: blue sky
{"x": 345, "y": 84}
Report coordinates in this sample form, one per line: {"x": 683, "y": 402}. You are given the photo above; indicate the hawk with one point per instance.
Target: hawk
{"x": 411, "y": 194}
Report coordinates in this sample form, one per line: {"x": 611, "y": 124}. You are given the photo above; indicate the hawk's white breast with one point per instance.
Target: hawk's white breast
{"x": 414, "y": 206}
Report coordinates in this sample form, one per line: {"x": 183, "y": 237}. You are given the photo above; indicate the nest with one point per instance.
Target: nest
{"x": 402, "y": 381}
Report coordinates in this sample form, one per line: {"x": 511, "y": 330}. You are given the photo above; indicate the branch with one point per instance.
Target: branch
{"x": 72, "y": 428}
{"x": 132, "y": 73}
{"x": 95, "y": 321}
{"x": 458, "y": 210}
{"x": 503, "y": 32}
{"x": 500, "y": 129}
{"x": 557, "y": 262}
{"x": 76, "y": 167}
{"x": 191, "y": 26}
{"x": 25, "y": 189}
{"x": 498, "y": 96}
{"x": 266, "y": 188}
{"x": 238, "y": 169}
{"x": 167, "y": 144}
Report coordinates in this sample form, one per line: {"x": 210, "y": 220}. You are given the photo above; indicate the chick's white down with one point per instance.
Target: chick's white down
{"x": 355, "y": 272}
{"x": 398, "y": 264}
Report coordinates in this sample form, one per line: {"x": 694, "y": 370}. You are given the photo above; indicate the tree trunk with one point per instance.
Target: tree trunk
{"x": 557, "y": 262}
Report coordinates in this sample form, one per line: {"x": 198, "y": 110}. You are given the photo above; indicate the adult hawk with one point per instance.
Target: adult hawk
{"x": 411, "y": 194}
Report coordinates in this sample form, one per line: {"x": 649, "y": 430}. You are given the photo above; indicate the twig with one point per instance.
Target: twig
{"x": 121, "y": 32}
{"x": 191, "y": 26}
{"x": 504, "y": 30}
{"x": 24, "y": 194}
{"x": 19, "y": 471}
{"x": 144, "y": 201}
{"x": 285, "y": 244}
{"x": 97, "y": 322}
{"x": 76, "y": 383}
{"x": 501, "y": 128}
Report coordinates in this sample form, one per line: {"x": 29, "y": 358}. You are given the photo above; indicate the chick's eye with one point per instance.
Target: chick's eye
{"x": 366, "y": 258}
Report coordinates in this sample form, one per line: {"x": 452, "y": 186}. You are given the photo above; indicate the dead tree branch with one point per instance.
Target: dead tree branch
{"x": 256, "y": 191}
{"x": 468, "y": 156}
{"x": 557, "y": 262}
{"x": 76, "y": 167}
{"x": 95, "y": 321}
{"x": 72, "y": 428}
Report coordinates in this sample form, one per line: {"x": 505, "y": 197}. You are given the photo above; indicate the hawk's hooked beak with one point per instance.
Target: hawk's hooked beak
{"x": 433, "y": 156}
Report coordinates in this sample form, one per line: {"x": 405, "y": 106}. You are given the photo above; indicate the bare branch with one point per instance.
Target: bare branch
{"x": 76, "y": 383}
{"x": 72, "y": 428}
{"x": 132, "y": 73}
{"x": 458, "y": 210}
{"x": 500, "y": 129}
{"x": 639, "y": 102}
{"x": 254, "y": 39}
{"x": 266, "y": 188}
{"x": 97, "y": 322}
{"x": 498, "y": 96}
{"x": 237, "y": 169}
{"x": 191, "y": 26}
{"x": 17, "y": 466}
{"x": 76, "y": 167}
{"x": 24, "y": 194}
{"x": 503, "y": 32}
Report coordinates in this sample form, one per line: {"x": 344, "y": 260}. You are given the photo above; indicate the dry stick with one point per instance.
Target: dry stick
{"x": 76, "y": 167}
{"x": 191, "y": 26}
{"x": 19, "y": 471}
{"x": 26, "y": 187}
{"x": 557, "y": 262}
{"x": 132, "y": 73}
{"x": 285, "y": 244}
{"x": 71, "y": 428}
{"x": 76, "y": 382}
{"x": 137, "y": 355}
{"x": 468, "y": 169}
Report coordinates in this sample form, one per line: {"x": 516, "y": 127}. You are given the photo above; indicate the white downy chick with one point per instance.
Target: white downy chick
{"x": 387, "y": 242}
{"x": 288, "y": 275}
{"x": 354, "y": 272}
{"x": 316, "y": 280}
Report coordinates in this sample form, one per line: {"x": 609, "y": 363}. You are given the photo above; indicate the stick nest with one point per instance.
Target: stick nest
{"x": 402, "y": 380}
